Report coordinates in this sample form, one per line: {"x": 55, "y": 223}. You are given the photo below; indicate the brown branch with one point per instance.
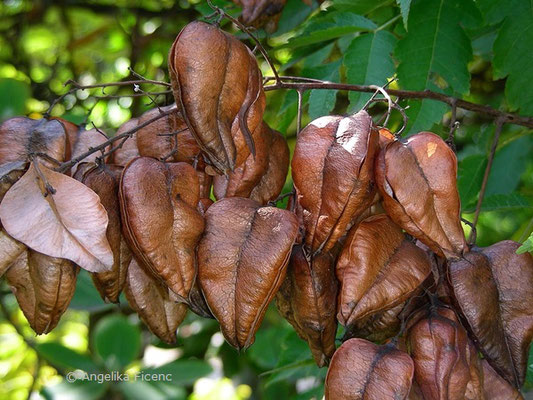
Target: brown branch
{"x": 497, "y": 131}
{"x": 509, "y": 118}
{"x": 77, "y": 85}
{"x": 69, "y": 164}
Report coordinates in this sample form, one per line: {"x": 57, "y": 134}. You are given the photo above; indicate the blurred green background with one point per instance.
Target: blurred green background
{"x": 45, "y": 43}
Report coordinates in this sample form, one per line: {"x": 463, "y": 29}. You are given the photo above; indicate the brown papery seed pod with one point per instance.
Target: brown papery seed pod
{"x": 104, "y": 181}
{"x": 307, "y": 299}
{"x": 158, "y": 139}
{"x": 128, "y": 150}
{"x": 242, "y": 261}
{"x": 21, "y": 137}
{"x": 378, "y": 269}
{"x": 493, "y": 289}
{"x": 417, "y": 178}
{"x": 446, "y": 361}
{"x": 150, "y": 299}
{"x": 218, "y": 89}
{"x": 362, "y": 370}
{"x": 495, "y": 387}
{"x": 158, "y": 206}
{"x": 333, "y": 172}
{"x": 43, "y": 286}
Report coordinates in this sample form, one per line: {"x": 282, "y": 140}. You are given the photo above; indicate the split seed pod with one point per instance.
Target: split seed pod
{"x": 104, "y": 181}
{"x": 43, "y": 287}
{"x": 378, "y": 269}
{"x": 10, "y": 250}
{"x": 261, "y": 178}
{"x": 261, "y": 13}
{"x": 493, "y": 288}
{"x": 152, "y": 301}
{"x": 307, "y": 299}
{"x": 242, "y": 261}
{"x": 417, "y": 178}
{"x": 160, "y": 221}
{"x": 362, "y": 370}
{"x": 333, "y": 172}
{"x": 446, "y": 362}
{"x": 218, "y": 90}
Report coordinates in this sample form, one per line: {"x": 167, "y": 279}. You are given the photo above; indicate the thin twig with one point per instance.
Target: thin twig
{"x": 300, "y": 106}
{"x": 77, "y": 85}
{"x": 497, "y": 131}
{"x": 69, "y": 164}
{"x": 473, "y": 231}
{"x": 35, "y": 375}
{"x": 400, "y": 109}
{"x": 509, "y": 118}
{"x": 454, "y": 124}
{"x": 280, "y": 197}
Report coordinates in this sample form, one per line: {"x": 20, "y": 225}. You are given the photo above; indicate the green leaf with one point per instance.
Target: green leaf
{"x": 316, "y": 393}
{"x": 494, "y": 11}
{"x": 141, "y": 390}
{"x": 13, "y": 99}
{"x": 423, "y": 114}
{"x": 436, "y": 45}
{"x": 86, "y": 390}
{"x": 470, "y": 176}
{"x": 86, "y": 297}
{"x": 294, "y": 13}
{"x": 62, "y": 356}
{"x": 184, "y": 372}
{"x": 362, "y": 7}
{"x": 322, "y": 102}
{"x": 117, "y": 341}
{"x": 265, "y": 351}
{"x": 512, "y": 58}
{"x": 503, "y": 202}
{"x": 404, "y": 9}
{"x": 368, "y": 61}
{"x": 509, "y": 164}
{"x": 526, "y": 246}
{"x": 330, "y": 26}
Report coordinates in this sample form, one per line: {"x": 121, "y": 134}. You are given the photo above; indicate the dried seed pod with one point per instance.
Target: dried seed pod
{"x": 446, "y": 361}
{"x": 243, "y": 241}
{"x": 128, "y": 150}
{"x": 495, "y": 387}
{"x": 243, "y": 179}
{"x": 260, "y": 178}
{"x": 72, "y": 130}
{"x": 104, "y": 181}
{"x": 261, "y": 13}
{"x": 272, "y": 181}
{"x": 363, "y": 370}
{"x": 378, "y": 269}
{"x": 417, "y": 178}
{"x": 218, "y": 89}
{"x": 150, "y": 299}
{"x": 203, "y": 205}
{"x": 10, "y": 173}
{"x": 205, "y": 181}
{"x": 160, "y": 221}
{"x": 43, "y": 287}
{"x": 70, "y": 223}
{"x": 167, "y": 136}
{"x": 10, "y": 250}
{"x": 307, "y": 299}
{"x": 21, "y": 136}
{"x": 333, "y": 172}
{"x": 493, "y": 288}
{"x": 87, "y": 140}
